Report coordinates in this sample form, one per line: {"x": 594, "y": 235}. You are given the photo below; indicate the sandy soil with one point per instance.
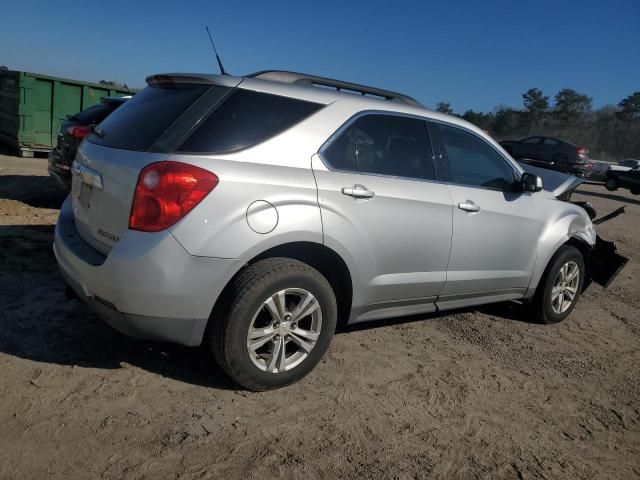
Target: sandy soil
{"x": 472, "y": 394}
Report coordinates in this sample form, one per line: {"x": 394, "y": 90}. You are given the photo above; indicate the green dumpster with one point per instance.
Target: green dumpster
{"x": 32, "y": 106}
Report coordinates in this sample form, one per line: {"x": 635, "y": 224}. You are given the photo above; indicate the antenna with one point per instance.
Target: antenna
{"x": 222, "y": 71}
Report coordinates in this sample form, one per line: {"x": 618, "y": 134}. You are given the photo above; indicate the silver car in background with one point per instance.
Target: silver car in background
{"x": 254, "y": 214}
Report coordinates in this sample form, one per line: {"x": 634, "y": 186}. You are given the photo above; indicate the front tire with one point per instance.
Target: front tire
{"x": 560, "y": 287}
{"x": 275, "y": 324}
{"x": 611, "y": 184}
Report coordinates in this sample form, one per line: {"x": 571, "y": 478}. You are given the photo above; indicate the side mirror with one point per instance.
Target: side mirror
{"x": 530, "y": 182}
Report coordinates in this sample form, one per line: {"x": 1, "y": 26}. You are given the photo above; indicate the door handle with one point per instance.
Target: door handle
{"x": 469, "y": 206}
{"x": 358, "y": 191}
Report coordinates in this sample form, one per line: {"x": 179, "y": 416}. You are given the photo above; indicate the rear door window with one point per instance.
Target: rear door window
{"x": 389, "y": 145}
{"x": 246, "y": 118}
{"x": 139, "y": 122}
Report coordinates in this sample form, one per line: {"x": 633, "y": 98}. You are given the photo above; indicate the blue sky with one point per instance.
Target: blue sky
{"x": 474, "y": 54}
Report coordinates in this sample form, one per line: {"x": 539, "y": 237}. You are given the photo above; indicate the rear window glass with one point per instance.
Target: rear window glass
{"x": 139, "y": 122}
{"x": 245, "y": 119}
{"x": 94, "y": 114}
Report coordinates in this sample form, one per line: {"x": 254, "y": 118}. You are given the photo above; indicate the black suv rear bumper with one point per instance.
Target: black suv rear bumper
{"x": 59, "y": 170}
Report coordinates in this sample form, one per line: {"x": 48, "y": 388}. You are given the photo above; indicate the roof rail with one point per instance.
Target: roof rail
{"x": 304, "y": 79}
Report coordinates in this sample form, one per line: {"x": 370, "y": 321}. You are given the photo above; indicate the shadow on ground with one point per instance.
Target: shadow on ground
{"x": 610, "y": 196}
{"x": 34, "y": 190}
{"x": 507, "y": 310}
{"x": 40, "y": 323}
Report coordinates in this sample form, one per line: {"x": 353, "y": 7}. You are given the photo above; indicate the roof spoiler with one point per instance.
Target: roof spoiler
{"x": 169, "y": 79}
{"x": 304, "y": 79}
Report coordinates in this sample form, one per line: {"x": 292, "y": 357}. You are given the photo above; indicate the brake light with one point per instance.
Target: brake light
{"x": 581, "y": 151}
{"x": 166, "y": 192}
{"x": 79, "y": 131}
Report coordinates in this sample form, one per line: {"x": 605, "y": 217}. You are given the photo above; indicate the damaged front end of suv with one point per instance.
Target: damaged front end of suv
{"x": 604, "y": 262}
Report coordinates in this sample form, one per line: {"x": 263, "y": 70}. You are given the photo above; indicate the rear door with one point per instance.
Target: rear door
{"x": 109, "y": 161}
{"x": 383, "y": 207}
{"x": 495, "y": 229}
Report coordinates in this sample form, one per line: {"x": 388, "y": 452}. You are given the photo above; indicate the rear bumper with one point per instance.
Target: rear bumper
{"x": 148, "y": 286}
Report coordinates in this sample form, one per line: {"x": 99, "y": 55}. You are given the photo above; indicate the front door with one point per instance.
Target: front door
{"x": 495, "y": 229}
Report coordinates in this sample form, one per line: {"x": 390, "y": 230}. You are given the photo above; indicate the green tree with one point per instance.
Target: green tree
{"x": 571, "y": 106}
{"x": 506, "y": 121}
{"x": 536, "y": 105}
{"x": 444, "y": 107}
{"x": 630, "y": 107}
{"x": 479, "y": 119}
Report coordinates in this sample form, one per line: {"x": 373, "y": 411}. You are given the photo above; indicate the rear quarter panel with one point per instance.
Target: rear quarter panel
{"x": 219, "y": 225}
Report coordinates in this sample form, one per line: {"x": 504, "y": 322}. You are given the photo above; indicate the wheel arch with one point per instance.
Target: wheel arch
{"x": 575, "y": 240}
{"x": 329, "y": 263}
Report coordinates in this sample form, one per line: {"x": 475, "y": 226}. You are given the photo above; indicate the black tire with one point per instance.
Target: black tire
{"x": 611, "y": 184}
{"x": 541, "y": 306}
{"x": 232, "y": 319}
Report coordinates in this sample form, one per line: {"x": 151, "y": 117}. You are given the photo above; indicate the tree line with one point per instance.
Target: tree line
{"x": 610, "y": 133}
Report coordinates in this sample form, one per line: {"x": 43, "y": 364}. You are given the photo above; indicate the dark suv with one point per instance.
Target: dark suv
{"x": 550, "y": 153}
{"x": 71, "y": 133}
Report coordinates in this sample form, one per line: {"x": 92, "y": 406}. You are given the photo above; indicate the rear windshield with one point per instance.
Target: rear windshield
{"x": 139, "y": 122}
{"x": 94, "y": 114}
{"x": 245, "y": 119}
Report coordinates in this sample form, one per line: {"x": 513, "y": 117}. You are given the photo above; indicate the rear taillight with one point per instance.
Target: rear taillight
{"x": 581, "y": 151}
{"x": 166, "y": 192}
{"x": 79, "y": 131}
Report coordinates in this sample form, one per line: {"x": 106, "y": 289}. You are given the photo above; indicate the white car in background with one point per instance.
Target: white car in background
{"x": 625, "y": 165}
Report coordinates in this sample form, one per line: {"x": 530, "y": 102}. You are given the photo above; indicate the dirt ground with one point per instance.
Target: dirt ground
{"x": 471, "y": 394}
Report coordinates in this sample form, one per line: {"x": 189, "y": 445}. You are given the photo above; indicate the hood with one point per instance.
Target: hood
{"x": 559, "y": 184}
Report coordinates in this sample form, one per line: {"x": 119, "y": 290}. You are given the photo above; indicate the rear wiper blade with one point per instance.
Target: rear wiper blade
{"x": 97, "y": 131}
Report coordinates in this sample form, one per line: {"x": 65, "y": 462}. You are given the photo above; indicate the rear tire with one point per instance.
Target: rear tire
{"x": 559, "y": 290}
{"x": 274, "y": 325}
{"x": 611, "y": 184}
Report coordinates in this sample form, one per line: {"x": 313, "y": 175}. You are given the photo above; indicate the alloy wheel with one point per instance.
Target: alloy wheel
{"x": 565, "y": 287}
{"x": 284, "y": 330}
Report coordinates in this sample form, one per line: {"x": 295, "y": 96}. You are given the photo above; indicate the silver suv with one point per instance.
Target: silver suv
{"x": 254, "y": 214}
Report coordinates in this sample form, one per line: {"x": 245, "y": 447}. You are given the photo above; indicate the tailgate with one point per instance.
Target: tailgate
{"x": 104, "y": 180}
{"x": 140, "y": 132}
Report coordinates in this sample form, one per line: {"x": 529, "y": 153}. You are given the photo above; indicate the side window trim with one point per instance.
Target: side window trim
{"x": 348, "y": 124}
{"x": 444, "y": 162}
